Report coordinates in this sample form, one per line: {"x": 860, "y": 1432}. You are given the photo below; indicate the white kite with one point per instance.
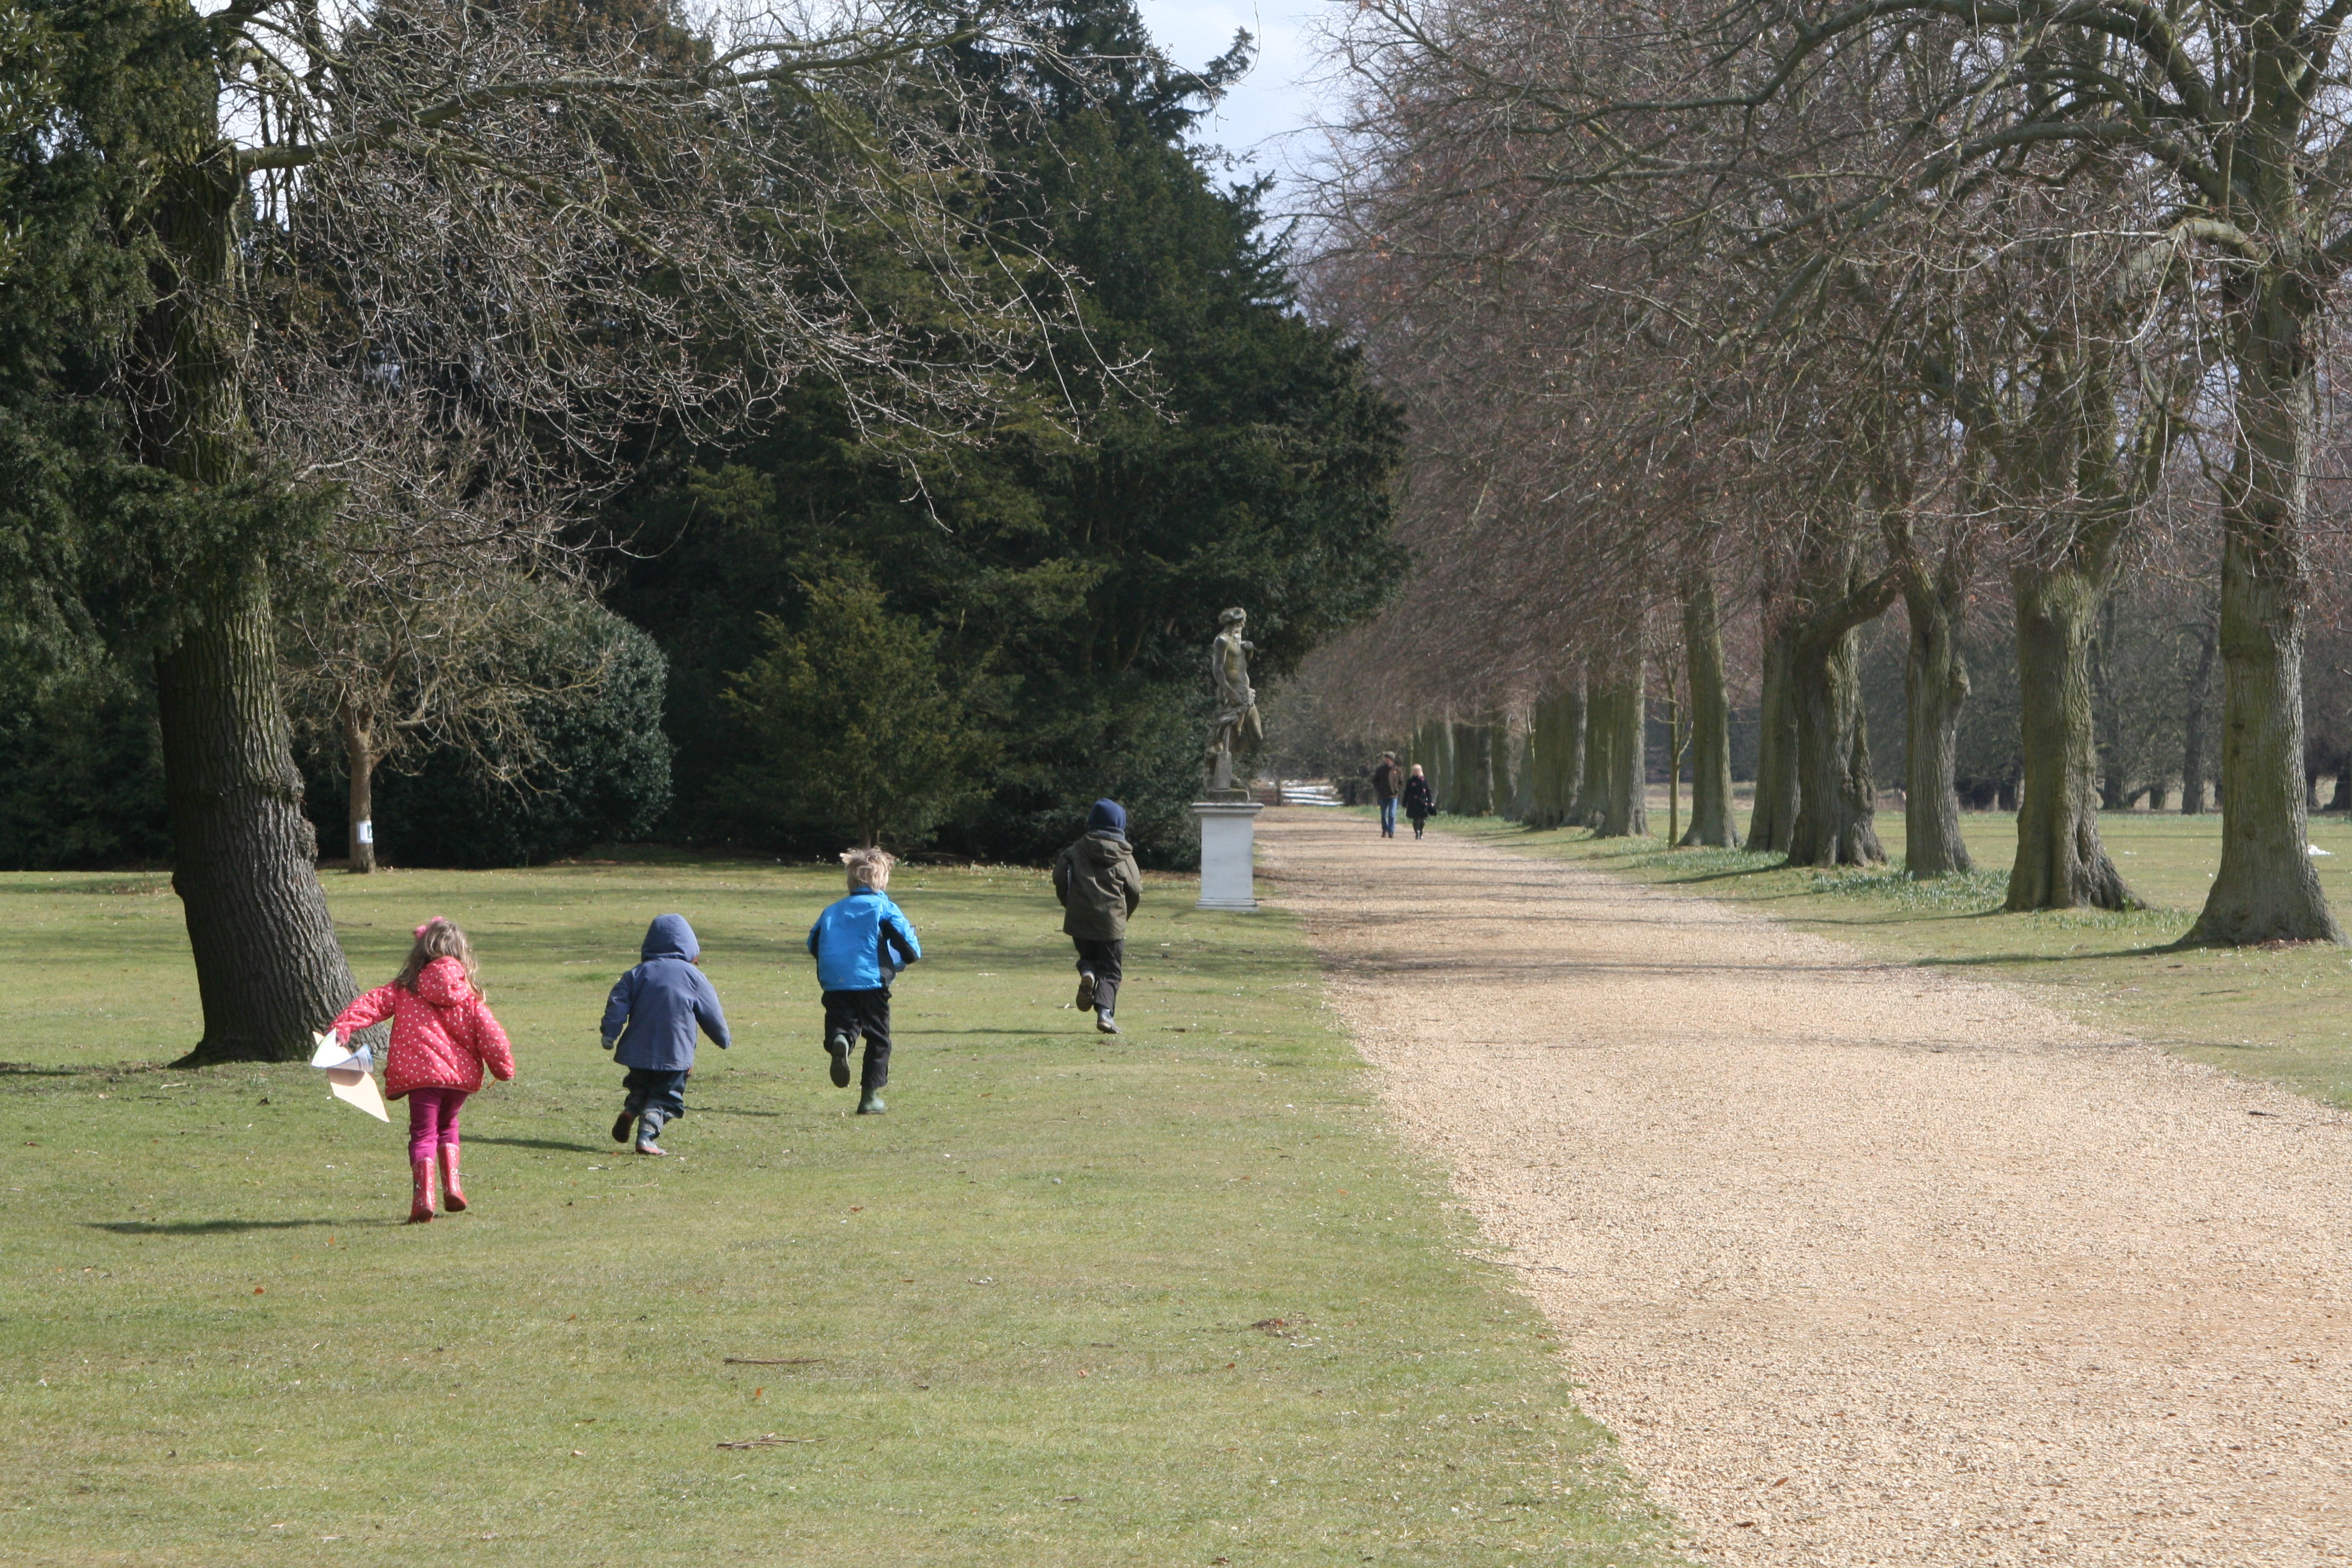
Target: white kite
{"x": 351, "y": 1075}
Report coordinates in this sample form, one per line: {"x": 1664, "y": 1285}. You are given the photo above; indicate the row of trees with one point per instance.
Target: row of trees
{"x": 350, "y": 356}
{"x": 1737, "y": 310}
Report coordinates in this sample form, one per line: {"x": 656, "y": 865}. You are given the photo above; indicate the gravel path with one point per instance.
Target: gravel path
{"x": 1863, "y": 1264}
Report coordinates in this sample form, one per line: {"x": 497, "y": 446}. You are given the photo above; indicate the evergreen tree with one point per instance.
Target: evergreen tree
{"x": 1243, "y": 457}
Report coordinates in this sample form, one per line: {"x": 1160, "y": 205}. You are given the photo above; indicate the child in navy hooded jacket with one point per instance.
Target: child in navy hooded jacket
{"x": 650, "y": 1025}
{"x": 860, "y": 943}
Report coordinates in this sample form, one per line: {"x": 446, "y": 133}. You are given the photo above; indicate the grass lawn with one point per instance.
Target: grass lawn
{"x": 2282, "y": 1013}
{"x": 1172, "y": 1297}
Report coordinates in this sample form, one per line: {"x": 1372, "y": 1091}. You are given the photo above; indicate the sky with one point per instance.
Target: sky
{"x": 1260, "y": 115}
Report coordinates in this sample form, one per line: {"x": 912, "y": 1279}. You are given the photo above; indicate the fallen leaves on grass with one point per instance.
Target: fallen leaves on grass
{"x": 770, "y": 1441}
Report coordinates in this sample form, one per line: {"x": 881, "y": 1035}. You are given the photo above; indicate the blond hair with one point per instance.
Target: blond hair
{"x": 437, "y": 938}
{"x": 869, "y": 868}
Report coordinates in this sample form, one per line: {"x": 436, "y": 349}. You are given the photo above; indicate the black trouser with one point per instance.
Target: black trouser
{"x": 866, "y": 1013}
{"x": 1103, "y": 960}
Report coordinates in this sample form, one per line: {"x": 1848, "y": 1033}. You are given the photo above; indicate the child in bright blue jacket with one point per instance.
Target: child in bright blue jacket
{"x": 860, "y": 943}
{"x": 650, "y": 1020}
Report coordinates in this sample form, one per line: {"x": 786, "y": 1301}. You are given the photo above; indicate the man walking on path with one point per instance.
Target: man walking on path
{"x": 1387, "y": 782}
{"x": 1099, "y": 886}
{"x": 1418, "y": 804}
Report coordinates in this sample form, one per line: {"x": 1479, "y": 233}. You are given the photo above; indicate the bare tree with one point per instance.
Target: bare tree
{"x": 410, "y": 621}
{"x": 2235, "y": 114}
{"x": 561, "y": 226}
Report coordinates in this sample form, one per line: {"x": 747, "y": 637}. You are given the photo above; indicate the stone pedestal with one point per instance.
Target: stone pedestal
{"x": 1228, "y": 853}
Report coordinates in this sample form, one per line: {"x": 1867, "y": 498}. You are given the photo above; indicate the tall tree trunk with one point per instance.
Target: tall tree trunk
{"x": 359, "y": 761}
{"x": 1836, "y": 813}
{"x": 1935, "y": 689}
{"x": 2193, "y": 761}
{"x": 2115, "y": 785}
{"x": 269, "y": 970}
{"x": 2060, "y": 864}
{"x": 1775, "y": 815}
{"x": 1599, "y": 734}
{"x": 1710, "y": 718}
{"x": 1522, "y": 760}
{"x": 1576, "y": 722}
{"x": 1556, "y": 755}
{"x": 2266, "y": 889}
{"x": 1474, "y": 762}
{"x": 1625, "y": 806}
{"x": 1502, "y": 790}
{"x": 1837, "y": 798}
{"x": 1673, "y": 771}
{"x": 1536, "y": 764}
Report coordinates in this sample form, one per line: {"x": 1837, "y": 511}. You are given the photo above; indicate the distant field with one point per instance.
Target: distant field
{"x": 1172, "y": 1297}
{"x": 2282, "y": 1013}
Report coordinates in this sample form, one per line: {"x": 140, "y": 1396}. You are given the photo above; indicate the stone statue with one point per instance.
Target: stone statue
{"x": 1238, "y": 717}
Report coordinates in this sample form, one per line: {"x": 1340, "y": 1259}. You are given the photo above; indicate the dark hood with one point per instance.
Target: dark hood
{"x": 670, "y": 937}
{"x": 1107, "y": 816}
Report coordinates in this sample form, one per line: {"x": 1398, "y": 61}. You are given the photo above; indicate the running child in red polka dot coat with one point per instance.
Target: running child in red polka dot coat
{"x": 442, "y": 1035}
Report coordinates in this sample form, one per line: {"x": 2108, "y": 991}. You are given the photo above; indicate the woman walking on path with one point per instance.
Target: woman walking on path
{"x": 1386, "y": 782}
{"x": 1419, "y": 802}
{"x": 442, "y": 1036}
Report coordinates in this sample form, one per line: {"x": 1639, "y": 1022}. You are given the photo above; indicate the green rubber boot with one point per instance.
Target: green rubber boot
{"x": 869, "y": 1103}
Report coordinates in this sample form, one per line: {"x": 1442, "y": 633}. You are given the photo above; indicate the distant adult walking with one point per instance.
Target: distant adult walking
{"x": 1099, "y": 886}
{"x": 1420, "y": 801}
{"x": 1387, "y": 782}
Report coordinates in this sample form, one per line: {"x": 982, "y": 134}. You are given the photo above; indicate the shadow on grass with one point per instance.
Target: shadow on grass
{"x": 1982, "y": 959}
{"x": 1766, "y": 868}
{"x": 556, "y": 1145}
{"x": 96, "y": 1070}
{"x": 218, "y": 1226}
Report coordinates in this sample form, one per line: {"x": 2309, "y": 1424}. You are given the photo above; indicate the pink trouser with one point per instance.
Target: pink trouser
{"x": 433, "y": 1120}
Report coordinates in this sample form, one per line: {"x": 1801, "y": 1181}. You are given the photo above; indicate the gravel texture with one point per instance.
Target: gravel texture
{"x": 1862, "y": 1263}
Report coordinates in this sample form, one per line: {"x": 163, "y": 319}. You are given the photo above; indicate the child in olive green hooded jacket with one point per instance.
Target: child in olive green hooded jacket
{"x": 1099, "y": 886}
